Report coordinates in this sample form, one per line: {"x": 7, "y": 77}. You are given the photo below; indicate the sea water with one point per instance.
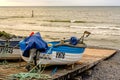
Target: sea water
{"x": 55, "y": 22}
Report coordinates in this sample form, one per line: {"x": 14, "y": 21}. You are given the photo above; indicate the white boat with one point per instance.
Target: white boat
{"x": 60, "y": 52}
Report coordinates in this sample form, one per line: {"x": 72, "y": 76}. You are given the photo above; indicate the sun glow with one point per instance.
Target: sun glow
{"x": 21, "y": 3}
{"x": 58, "y": 2}
{"x": 2, "y": 2}
{"x": 6, "y": 3}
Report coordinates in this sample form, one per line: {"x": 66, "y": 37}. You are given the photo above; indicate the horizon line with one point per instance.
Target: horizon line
{"x": 62, "y": 6}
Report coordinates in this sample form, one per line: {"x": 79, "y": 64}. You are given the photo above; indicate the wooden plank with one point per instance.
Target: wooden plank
{"x": 90, "y": 58}
{"x": 10, "y": 57}
{"x": 92, "y": 55}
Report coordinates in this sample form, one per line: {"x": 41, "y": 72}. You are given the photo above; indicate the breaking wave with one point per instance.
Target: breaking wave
{"x": 97, "y": 27}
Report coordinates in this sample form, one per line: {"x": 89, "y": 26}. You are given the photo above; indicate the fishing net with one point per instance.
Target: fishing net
{"x": 32, "y": 74}
{"x": 29, "y": 76}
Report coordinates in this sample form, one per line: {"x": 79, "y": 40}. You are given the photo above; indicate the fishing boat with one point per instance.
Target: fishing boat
{"x": 53, "y": 53}
{"x": 9, "y": 50}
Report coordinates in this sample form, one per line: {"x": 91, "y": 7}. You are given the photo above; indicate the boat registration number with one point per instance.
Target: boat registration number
{"x": 60, "y": 55}
{"x": 6, "y": 50}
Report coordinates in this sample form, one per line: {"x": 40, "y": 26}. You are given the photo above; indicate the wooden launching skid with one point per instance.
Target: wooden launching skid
{"x": 91, "y": 57}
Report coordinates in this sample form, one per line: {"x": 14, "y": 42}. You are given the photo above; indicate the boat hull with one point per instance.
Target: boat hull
{"x": 59, "y": 54}
{"x": 59, "y": 59}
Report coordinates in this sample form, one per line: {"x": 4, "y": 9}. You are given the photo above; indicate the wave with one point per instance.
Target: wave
{"x": 64, "y": 30}
{"x": 56, "y": 20}
{"x": 97, "y": 27}
{"x": 80, "y": 22}
{"x": 72, "y": 21}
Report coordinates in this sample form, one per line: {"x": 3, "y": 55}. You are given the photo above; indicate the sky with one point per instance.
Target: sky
{"x": 59, "y": 2}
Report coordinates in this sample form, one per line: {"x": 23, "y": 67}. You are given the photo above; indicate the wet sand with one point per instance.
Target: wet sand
{"x": 106, "y": 41}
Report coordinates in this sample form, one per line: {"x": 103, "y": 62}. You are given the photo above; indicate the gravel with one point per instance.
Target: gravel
{"x": 106, "y": 70}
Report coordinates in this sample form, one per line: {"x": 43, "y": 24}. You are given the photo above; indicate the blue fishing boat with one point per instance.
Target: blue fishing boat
{"x": 55, "y": 52}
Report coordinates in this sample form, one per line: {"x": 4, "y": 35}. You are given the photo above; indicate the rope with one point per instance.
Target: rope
{"x": 28, "y": 76}
{"x": 40, "y": 63}
{"x": 54, "y": 71}
{"x": 31, "y": 74}
{"x": 46, "y": 64}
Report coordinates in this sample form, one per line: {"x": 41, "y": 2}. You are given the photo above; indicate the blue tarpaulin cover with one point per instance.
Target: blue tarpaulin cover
{"x": 34, "y": 41}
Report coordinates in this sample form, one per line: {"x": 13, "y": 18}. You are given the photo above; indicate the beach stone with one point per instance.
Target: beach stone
{"x": 78, "y": 78}
{"x": 88, "y": 72}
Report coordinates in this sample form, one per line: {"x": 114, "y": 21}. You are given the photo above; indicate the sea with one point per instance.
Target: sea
{"x": 103, "y": 22}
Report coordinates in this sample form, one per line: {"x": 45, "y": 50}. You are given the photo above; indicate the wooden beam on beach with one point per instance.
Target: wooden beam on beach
{"x": 32, "y": 14}
{"x": 10, "y": 57}
{"x": 91, "y": 57}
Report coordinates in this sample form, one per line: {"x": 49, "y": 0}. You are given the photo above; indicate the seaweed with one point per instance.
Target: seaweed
{"x": 5, "y": 35}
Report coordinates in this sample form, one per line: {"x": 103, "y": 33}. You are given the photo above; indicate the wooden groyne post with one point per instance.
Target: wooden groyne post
{"x": 32, "y": 14}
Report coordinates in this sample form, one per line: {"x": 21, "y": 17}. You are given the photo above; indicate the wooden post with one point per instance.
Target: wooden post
{"x": 32, "y": 13}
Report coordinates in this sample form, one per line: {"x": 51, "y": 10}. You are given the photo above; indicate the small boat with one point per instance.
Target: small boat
{"x": 9, "y": 50}
{"x": 9, "y": 43}
{"x": 57, "y": 52}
